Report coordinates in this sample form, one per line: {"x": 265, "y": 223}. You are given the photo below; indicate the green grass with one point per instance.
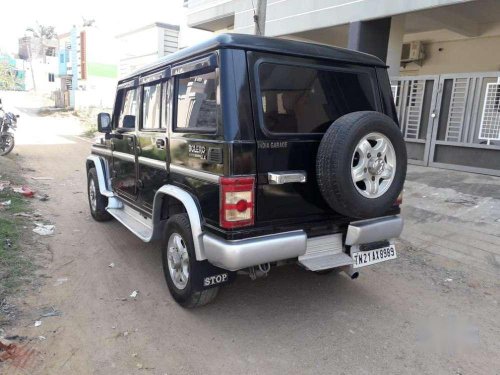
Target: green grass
{"x": 90, "y": 131}
{"x": 15, "y": 265}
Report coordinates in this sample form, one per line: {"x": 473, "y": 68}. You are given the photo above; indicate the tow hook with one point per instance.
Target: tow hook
{"x": 259, "y": 271}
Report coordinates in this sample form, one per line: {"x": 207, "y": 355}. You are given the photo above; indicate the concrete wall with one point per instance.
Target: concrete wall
{"x": 41, "y": 70}
{"x": 294, "y": 16}
{"x": 456, "y": 56}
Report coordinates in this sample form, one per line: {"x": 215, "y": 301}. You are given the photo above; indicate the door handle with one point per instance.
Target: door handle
{"x": 160, "y": 143}
{"x": 286, "y": 177}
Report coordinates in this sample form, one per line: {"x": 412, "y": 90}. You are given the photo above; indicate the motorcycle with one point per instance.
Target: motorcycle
{"x": 8, "y": 124}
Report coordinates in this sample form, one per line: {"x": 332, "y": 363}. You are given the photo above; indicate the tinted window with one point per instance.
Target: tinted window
{"x": 151, "y": 110}
{"x": 197, "y": 103}
{"x": 306, "y": 100}
{"x": 129, "y": 108}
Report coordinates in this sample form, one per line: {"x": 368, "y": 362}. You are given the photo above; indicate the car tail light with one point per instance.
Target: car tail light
{"x": 399, "y": 200}
{"x": 237, "y": 206}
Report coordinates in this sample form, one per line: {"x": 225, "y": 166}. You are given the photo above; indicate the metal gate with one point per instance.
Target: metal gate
{"x": 452, "y": 120}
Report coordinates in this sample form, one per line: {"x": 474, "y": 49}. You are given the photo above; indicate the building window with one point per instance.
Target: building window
{"x": 50, "y": 51}
{"x": 297, "y": 99}
{"x": 197, "y": 103}
{"x": 129, "y": 108}
{"x": 151, "y": 110}
{"x": 51, "y": 77}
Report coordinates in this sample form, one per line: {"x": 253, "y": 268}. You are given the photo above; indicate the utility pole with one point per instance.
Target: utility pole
{"x": 259, "y": 17}
{"x": 30, "y": 56}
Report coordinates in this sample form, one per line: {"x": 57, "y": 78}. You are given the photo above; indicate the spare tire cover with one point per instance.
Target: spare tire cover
{"x": 361, "y": 164}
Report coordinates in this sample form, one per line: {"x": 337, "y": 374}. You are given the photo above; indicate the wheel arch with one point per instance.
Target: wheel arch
{"x": 191, "y": 207}
{"x": 100, "y": 165}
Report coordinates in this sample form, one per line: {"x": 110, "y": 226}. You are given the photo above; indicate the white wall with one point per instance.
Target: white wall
{"x": 41, "y": 72}
{"x": 293, "y": 16}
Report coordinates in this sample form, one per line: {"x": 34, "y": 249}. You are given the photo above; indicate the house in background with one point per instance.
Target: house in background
{"x": 443, "y": 58}
{"x": 87, "y": 69}
{"x": 39, "y": 61}
{"x": 145, "y": 45}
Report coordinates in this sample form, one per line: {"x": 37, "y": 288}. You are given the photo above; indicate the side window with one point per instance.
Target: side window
{"x": 297, "y": 99}
{"x": 151, "y": 110}
{"x": 197, "y": 102}
{"x": 128, "y": 112}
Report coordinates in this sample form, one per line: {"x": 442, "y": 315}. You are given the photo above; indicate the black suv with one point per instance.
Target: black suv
{"x": 245, "y": 152}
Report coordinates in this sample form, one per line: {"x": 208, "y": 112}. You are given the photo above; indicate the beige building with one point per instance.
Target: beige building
{"x": 443, "y": 58}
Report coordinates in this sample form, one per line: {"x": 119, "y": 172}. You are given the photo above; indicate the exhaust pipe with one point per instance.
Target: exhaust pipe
{"x": 351, "y": 272}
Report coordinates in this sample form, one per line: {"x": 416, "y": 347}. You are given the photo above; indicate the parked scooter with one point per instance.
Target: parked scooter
{"x": 8, "y": 124}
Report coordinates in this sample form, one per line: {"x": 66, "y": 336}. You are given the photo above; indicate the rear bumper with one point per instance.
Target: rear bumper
{"x": 366, "y": 231}
{"x": 238, "y": 254}
{"x": 235, "y": 255}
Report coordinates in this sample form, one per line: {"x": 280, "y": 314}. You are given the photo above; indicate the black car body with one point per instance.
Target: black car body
{"x": 238, "y": 117}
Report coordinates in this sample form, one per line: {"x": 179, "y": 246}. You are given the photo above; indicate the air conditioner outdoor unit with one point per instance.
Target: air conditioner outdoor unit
{"x": 413, "y": 52}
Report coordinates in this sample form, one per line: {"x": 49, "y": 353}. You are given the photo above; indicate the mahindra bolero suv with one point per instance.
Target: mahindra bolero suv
{"x": 244, "y": 153}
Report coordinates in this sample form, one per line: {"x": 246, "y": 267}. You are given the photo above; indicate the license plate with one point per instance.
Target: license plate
{"x": 366, "y": 258}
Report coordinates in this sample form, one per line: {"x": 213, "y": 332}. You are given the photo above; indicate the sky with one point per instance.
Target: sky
{"x": 113, "y": 17}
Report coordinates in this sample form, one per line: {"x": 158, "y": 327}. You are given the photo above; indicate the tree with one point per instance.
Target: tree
{"x": 43, "y": 33}
{"x": 8, "y": 79}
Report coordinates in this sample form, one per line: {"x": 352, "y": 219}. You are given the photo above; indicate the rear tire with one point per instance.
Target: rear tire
{"x": 180, "y": 264}
{"x": 97, "y": 201}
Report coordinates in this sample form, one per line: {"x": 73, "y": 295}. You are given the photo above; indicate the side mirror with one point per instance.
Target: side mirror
{"x": 103, "y": 122}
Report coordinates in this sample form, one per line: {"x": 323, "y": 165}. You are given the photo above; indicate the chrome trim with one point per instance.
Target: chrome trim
{"x": 373, "y": 230}
{"x": 159, "y": 164}
{"x": 101, "y": 151}
{"x": 191, "y": 209}
{"x": 205, "y": 176}
{"x": 123, "y": 156}
{"x": 286, "y": 177}
{"x": 235, "y": 255}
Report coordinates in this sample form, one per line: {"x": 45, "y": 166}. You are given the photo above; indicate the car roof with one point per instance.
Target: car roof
{"x": 262, "y": 44}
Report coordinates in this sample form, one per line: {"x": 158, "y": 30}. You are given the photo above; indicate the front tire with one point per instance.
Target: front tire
{"x": 97, "y": 201}
{"x": 179, "y": 264}
{"x": 6, "y": 144}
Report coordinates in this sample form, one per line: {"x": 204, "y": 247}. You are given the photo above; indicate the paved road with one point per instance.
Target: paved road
{"x": 424, "y": 313}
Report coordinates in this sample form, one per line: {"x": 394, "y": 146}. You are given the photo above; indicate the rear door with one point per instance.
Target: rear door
{"x": 152, "y": 137}
{"x": 295, "y": 101}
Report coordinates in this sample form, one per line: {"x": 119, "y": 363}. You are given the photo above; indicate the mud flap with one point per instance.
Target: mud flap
{"x": 209, "y": 276}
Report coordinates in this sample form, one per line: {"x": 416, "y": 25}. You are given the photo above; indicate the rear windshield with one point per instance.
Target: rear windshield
{"x": 297, "y": 99}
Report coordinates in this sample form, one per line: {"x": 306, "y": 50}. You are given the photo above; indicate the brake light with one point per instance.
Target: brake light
{"x": 237, "y": 202}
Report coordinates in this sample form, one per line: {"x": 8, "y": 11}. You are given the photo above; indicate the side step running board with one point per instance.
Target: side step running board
{"x": 134, "y": 221}
{"x": 324, "y": 253}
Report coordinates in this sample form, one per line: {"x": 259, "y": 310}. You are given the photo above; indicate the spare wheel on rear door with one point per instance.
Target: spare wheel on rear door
{"x": 361, "y": 164}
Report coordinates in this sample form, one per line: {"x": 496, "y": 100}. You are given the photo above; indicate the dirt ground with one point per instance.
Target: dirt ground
{"x": 434, "y": 310}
